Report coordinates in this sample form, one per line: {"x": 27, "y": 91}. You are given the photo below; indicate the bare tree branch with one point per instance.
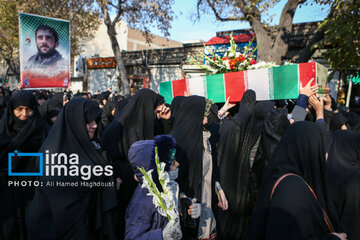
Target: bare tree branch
{"x": 218, "y": 17}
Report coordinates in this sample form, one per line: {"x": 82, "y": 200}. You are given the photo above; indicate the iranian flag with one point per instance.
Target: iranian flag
{"x": 269, "y": 83}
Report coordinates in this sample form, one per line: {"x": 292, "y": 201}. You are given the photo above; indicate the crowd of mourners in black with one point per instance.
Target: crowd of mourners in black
{"x": 250, "y": 170}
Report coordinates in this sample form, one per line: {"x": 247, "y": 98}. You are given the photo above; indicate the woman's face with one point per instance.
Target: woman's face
{"x": 23, "y": 112}
{"x": 91, "y": 128}
{"x": 174, "y": 165}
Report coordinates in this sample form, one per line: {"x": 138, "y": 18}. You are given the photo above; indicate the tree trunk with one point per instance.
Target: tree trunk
{"x": 264, "y": 39}
{"x": 123, "y": 77}
{"x": 274, "y": 44}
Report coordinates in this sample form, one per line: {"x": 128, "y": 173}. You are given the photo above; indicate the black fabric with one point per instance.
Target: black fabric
{"x": 275, "y": 126}
{"x": 27, "y": 139}
{"x": 135, "y": 122}
{"x": 14, "y": 200}
{"x": 119, "y": 106}
{"x": 343, "y": 169}
{"x": 352, "y": 117}
{"x": 337, "y": 120}
{"x": 49, "y": 109}
{"x": 234, "y": 168}
{"x": 106, "y": 116}
{"x": 78, "y": 212}
{"x": 293, "y": 212}
{"x": 175, "y": 104}
{"x": 188, "y": 132}
{"x": 3, "y": 104}
{"x": 261, "y": 110}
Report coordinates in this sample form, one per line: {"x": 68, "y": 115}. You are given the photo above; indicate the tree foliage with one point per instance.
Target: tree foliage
{"x": 138, "y": 14}
{"x": 84, "y": 21}
{"x": 342, "y": 32}
{"x": 274, "y": 40}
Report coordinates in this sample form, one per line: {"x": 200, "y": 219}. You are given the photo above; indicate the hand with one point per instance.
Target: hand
{"x": 318, "y": 105}
{"x": 226, "y": 106}
{"x": 309, "y": 90}
{"x": 195, "y": 209}
{"x": 163, "y": 112}
{"x": 342, "y": 236}
{"x": 223, "y": 203}
{"x": 327, "y": 102}
{"x": 172, "y": 230}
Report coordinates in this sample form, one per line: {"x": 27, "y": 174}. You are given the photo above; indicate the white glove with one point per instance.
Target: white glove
{"x": 172, "y": 230}
{"x": 196, "y": 209}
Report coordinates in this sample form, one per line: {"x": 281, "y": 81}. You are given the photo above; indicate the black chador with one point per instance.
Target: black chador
{"x": 74, "y": 211}
{"x": 133, "y": 123}
{"x": 234, "y": 165}
{"x": 23, "y": 136}
{"x": 294, "y": 200}
{"x": 343, "y": 170}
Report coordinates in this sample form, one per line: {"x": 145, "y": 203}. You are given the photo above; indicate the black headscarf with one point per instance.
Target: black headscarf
{"x": 72, "y": 212}
{"x": 3, "y": 104}
{"x": 106, "y": 116}
{"x": 188, "y": 133}
{"x": 274, "y": 127}
{"x": 234, "y": 166}
{"x": 24, "y": 136}
{"x": 261, "y": 110}
{"x": 343, "y": 169}
{"x": 119, "y": 106}
{"x": 135, "y": 122}
{"x": 336, "y": 122}
{"x": 49, "y": 109}
{"x": 301, "y": 151}
{"x": 175, "y": 104}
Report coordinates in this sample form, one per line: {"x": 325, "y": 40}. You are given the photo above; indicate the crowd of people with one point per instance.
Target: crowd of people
{"x": 283, "y": 169}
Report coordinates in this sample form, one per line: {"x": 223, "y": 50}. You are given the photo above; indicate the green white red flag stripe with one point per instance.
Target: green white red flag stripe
{"x": 269, "y": 83}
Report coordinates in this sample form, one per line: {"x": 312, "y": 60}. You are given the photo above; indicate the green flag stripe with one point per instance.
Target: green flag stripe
{"x": 286, "y": 82}
{"x": 166, "y": 91}
{"x": 215, "y": 87}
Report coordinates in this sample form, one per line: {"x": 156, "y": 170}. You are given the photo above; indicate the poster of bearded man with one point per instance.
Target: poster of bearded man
{"x": 44, "y": 51}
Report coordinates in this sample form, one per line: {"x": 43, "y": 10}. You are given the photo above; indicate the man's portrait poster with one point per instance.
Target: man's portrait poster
{"x": 44, "y": 51}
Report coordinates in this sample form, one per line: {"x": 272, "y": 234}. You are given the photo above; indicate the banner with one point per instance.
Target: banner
{"x": 269, "y": 83}
{"x": 98, "y": 63}
{"x": 44, "y": 51}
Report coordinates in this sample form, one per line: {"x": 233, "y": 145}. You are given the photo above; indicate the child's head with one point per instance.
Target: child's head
{"x": 142, "y": 154}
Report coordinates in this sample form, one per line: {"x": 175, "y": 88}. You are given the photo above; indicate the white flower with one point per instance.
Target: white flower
{"x": 227, "y": 64}
{"x": 163, "y": 201}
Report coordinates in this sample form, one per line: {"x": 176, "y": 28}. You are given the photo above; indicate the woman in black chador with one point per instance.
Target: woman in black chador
{"x": 78, "y": 211}
{"x": 135, "y": 122}
{"x": 21, "y": 129}
{"x": 294, "y": 200}
{"x": 343, "y": 169}
{"x": 275, "y": 125}
{"x": 234, "y": 164}
{"x": 196, "y": 138}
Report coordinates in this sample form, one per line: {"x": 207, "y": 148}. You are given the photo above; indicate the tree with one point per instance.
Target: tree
{"x": 9, "y": 36}
{"x": 274, "y": 40}
{"x": 342, "y": 32}
{"x": 139, "y": 14}
{"x": 81, "y": 14}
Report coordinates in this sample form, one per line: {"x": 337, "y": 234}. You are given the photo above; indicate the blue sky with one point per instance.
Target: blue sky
{"x": 184, "y": 29}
